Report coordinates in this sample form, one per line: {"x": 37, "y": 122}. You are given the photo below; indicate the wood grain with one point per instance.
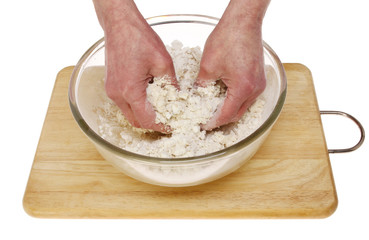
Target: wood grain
{"x": 289, "y": 177}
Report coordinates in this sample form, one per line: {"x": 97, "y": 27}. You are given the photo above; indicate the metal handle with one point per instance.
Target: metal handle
{"x": 362, "y": 132}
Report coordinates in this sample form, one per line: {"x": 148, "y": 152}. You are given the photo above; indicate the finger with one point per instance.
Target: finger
{"x": 203, "y": 82}
{"x": 128, "y": 113}
{"x": 140, "y": 111}
{"x": 172, "y": 76}
{"x": 225, "y": 113}
{"x": 165, "y": 67}
{"x": 206, "y": 73}
{"x": 203, "y": 79}
{"x": 249, "y": 101}
{"x": 145, "y": 115}
{"x": 242, "y": 110}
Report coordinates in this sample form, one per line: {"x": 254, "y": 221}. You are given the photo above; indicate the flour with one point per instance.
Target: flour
{"x": 183, "y": 110}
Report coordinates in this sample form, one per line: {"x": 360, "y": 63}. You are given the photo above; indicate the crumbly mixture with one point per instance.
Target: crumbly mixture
{"x": 183, "y": 110}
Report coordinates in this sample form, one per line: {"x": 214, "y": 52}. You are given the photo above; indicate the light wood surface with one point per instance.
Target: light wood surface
{"x": 289, "y": 177}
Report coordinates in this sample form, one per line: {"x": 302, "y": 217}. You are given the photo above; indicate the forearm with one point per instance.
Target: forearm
{"x": 246, "y": 12}
{"x": 113, "y": 13}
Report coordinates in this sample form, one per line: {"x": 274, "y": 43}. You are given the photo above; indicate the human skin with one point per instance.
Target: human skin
{"x": 135, "y": 54}
{"x": 233, "y": 53}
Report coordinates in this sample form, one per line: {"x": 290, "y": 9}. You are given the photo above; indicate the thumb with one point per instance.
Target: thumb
{"x": 165, "y": 67}
{"x": 205, "y": 77}
{"x": 146, "y": 115}
{"x": 226, "y": 112}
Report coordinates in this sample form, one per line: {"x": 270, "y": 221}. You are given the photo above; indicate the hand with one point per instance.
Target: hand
{"x": 134, "y": 54}
{"x": 133, "y": 57}
{"x": 234, "y": 53}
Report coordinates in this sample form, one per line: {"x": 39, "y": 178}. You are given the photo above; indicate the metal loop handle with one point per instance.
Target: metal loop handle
{"x": 362, "y": 132}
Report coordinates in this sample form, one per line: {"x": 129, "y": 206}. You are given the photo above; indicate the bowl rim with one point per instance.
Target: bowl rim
{"x": 157, "y": 20}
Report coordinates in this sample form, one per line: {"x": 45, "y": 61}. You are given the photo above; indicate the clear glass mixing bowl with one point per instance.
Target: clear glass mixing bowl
{"x": 191, "y": 30}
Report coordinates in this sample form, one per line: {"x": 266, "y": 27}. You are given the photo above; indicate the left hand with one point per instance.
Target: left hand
{"x": 234, "y": 53}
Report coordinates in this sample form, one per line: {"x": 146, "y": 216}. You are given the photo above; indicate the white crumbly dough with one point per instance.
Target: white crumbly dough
{"x": 183, "y": 110}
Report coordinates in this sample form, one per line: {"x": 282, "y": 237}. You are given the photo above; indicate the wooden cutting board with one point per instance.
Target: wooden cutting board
{"x": 289, "y": 177}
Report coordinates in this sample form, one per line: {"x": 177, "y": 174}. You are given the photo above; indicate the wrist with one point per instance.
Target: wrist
{"x": 248, "y": 13}
{"x": 117, "y": 13}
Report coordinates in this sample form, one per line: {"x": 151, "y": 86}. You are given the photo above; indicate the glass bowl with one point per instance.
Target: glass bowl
{"x": 85, "y": 92}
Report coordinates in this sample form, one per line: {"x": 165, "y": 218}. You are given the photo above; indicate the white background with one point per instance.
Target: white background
{"x": 39, "y": 38}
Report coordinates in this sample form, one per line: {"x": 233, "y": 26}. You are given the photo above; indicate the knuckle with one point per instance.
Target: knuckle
{"x": 134, "y": 123}
{"x": 111, "y": 91}
{"x": 127, "y": 90}
{"x": 163, "y": 62}
{"x": 247, "y": 87}
{"x": 207, "y": 66}
{"x": 255, "y": 86}
{"x": 146, "y": 124}
{"x": 261, "y": 85}
{"x": 120, "y": 90}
